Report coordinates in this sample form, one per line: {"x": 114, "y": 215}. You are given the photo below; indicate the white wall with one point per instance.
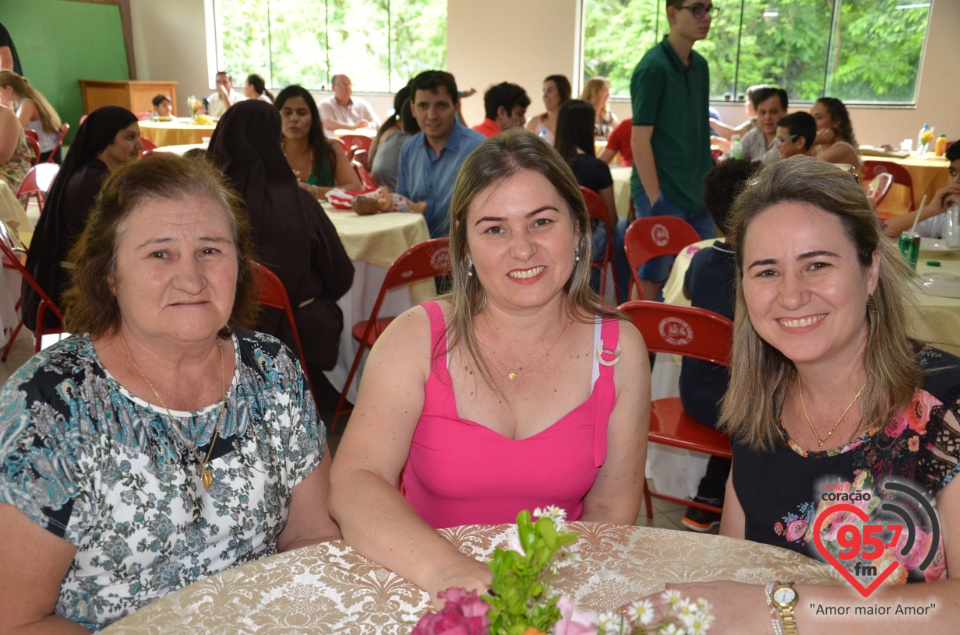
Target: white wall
{"x": 523, "y": 41}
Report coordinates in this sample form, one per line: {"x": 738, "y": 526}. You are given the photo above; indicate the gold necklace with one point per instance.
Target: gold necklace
{"x": 206, "y": 476}
{"x": 512, "y": 374}
{"x": 820, "y": 441}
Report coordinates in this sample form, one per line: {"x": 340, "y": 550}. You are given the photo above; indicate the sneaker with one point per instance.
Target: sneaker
{"x": 700, "y": 520}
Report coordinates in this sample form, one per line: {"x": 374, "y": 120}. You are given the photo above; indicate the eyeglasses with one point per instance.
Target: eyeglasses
{"x": 781, "y": 140}
{"x": 849, "y": 169}
{"x": 700, "y": 10}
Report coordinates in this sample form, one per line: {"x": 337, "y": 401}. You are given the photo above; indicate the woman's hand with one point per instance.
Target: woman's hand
{"x": 313, "y": 189}
{"x": 825, "y": 137}
{"x": 735, "y": 607}
{"x": 466, "y": 573}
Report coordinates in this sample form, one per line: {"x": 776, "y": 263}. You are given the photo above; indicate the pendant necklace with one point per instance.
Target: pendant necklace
{"x": 512, "y": 374}
{"x": 206, "y": 476}
{"x": 820, "y": 441}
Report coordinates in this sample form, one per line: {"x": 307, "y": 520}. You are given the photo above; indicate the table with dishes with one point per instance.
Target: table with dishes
{"x": 373, "y": 243}
{"x": 928, "y": 173}
{"x": 329, "y": 588}
{"x": 177, "y": 131}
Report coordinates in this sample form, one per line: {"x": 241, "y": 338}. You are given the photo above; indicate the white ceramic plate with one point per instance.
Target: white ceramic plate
{"x": 935, "y": 245}
{"x": 945, "y": 285}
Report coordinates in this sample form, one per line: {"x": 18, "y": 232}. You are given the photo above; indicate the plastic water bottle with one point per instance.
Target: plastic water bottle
{"x": 923, "y": 141}
{"x": 543, "y": 133}
{"x": 736, "y": 148}
{"x": 951, "y": 227}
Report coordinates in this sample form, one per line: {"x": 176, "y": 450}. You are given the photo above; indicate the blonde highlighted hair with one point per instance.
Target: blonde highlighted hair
{"x": 591, "y": 94}
{"x": 759, "y": 374}
{"x": 49, "y": 118}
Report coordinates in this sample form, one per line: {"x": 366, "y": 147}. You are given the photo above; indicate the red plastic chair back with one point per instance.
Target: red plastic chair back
{"x": 423, "y": 261}
{"x": 362, "y": 156}
{"x": 598, "y": 211}
{"x": 682, "y": 330}
{"x": 654, "y": 236}
{"x": 366, "y": 179}
{"x": 147, "y": 144}
{"x": 38, "y": 182}
{"x": 877, "y": 188}
{"x": 691, "y": 332}
{"x": 872, "y": 169}
{"x": 10, "y": 246}
{"x": 274, "y": 295}
{"x": 64, "y": 129}
{"x": 354, "y": 142}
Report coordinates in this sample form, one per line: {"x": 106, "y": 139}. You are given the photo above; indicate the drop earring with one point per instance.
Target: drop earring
{"x": 469, "y": 267}
{"x": 576, "y": 253}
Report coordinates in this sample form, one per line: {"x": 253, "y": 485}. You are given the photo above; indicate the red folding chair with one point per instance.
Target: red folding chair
{"x": 363, "y": 157}
{"x": 691, "y": 332}
{"x": 11, "y": 248}
{"x": 148, "y": 145}
{"x": 37, "y": 182}
{"x": 425, "y": 260}
{"x": 354, "y": 142}
{"x": 274, "y": 295}
{"x": 598, "y": 211}
{"x": 64, "y": 129}
{"x": 366, "y": 179}
{"x": 654, "y": 236}
{"x": 872, "y": 169}
{"x": 877, "y": 189}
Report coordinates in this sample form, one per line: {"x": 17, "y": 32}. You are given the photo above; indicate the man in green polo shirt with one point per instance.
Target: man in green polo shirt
{"x": 671, "y": 131}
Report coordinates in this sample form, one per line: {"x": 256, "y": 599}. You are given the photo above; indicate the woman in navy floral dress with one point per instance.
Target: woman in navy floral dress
{"x": 830, "y": 402}
{"x": 162, "y": 443}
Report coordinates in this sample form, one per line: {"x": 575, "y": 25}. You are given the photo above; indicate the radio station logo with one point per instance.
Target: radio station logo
{"x": 862, "y": 543}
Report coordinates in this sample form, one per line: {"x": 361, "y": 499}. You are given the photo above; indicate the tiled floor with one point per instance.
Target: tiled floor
{"x": 666, "y": 515}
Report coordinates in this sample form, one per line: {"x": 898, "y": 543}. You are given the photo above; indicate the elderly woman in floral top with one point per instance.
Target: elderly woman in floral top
{"x": 162, "y": 443}
{"x": 830, "y": 403}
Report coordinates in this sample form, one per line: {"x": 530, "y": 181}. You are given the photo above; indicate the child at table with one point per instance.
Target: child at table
{"x": 931, "y": 223}
{"x": 710, "y": 283}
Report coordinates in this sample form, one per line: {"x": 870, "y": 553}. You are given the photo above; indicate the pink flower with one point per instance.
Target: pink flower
{"x": 463, "y": 614}
{"x": 574, "y": 621}
{"x": 778, "y": 529}
{"x": 896, "y": 427}
{"x": 914, "y": 444}
{"x": 796, "y": 529}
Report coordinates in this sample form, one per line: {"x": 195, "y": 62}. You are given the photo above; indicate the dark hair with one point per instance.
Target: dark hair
{"x": 504, "y": 94}
{"x": 800, "y": 123}
{"x": 563, "y": 86}
{"x": 840, "y": 118}
{"x": 953, "y": 152}
{"x": 408, "y": 121}
{"x": 761, "y": 95}
{"x": 322, "y": 149}
{"x": 398, "y": 100}
{"x": 259, "y": 85}
{"x": 159, "y": 99}
{"x": 721, "y": 186}
{"x": 229, "y": 77}
{"x": 433, "y": 80}
{"x": 575, "y": 125}
{"x": 90, "y": 304}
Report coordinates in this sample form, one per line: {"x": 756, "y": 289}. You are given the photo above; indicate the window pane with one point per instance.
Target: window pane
{"x": 616, "y": 35}
{"x": 876, "y": 53}
{"x": 418, "y": 39}
{"x": 784, "y": 43}
{"x": 242, "y": 34}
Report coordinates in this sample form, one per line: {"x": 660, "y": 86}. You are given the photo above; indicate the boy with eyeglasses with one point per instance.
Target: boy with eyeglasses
{"x": 670, "y": 138}
{"x": 795, "y": 134}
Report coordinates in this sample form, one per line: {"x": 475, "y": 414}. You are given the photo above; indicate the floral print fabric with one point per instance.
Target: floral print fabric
{"x": 104, "y": 470}
{"x": 783, "y": 492}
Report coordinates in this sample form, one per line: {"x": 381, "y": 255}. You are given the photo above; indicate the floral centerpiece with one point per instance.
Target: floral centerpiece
{"x": 522, "y": 600}
{"x": 198, "y": 111}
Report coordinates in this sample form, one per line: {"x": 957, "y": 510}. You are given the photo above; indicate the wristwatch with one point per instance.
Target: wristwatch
{"x": 784, "y": 598}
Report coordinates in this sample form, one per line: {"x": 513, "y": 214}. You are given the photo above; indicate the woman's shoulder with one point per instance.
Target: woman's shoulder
{"x": 70, "y": 360}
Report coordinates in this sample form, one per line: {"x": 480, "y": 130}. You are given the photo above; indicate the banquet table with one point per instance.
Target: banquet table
{"x": 182, "y": 149}
{"x": 929, "y": 174}
{"x": 329, "y": 588}
{"x": 180, "y": 131}
{"x": 373, "y": 243}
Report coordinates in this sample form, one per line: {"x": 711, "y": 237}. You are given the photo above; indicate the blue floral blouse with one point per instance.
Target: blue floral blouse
{"x": 104, "y": 470}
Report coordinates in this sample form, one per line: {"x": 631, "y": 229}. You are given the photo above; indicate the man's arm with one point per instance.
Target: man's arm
{"x": 645, "y": 162}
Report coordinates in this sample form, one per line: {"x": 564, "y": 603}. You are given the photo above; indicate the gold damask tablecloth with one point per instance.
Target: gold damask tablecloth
{"x": 176, "y": 132}
{"x": 329, "y": 588}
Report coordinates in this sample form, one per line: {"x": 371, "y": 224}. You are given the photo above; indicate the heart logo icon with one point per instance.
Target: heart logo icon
{"x": 817, "y": 540}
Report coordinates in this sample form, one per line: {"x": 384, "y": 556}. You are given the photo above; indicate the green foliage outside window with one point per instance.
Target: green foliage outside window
{"x": 381, "y": 44}
{"x": 856, "y": 50}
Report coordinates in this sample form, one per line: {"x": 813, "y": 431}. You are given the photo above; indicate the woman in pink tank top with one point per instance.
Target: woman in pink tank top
{"x": 519, "y": 390}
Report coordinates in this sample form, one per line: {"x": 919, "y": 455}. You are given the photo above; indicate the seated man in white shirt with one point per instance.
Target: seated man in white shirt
{"x": 226, "y": 96}
{"x": 343, "y": 110}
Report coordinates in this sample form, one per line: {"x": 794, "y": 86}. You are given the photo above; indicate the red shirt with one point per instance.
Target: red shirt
{"x": 619, "y": 141}
{"x": 488, "y": 128}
